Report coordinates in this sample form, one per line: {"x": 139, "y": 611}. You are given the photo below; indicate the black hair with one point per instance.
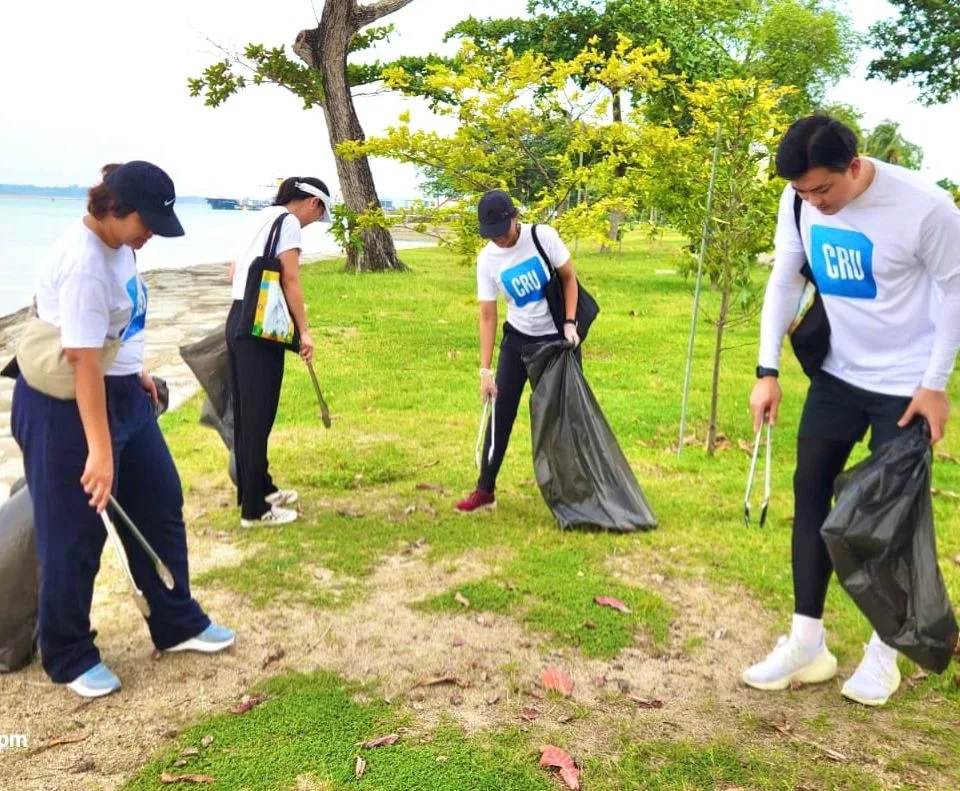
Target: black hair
{"x": 288, "y": 190}
{"x": 101, "y": 201}
{"x": 813, "y": 142}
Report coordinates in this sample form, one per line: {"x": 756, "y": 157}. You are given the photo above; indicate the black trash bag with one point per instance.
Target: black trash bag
{"x": 880, "y": 536}
{"x": 19, "y": 583}
{"x": 582, "y": 473}
{"x": 208, "y": 360}
{"x": 163, "y": 395}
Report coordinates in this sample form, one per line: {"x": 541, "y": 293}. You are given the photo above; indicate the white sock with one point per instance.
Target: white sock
{"x": 888, "y": 654}
{"x": 807, "y": 631}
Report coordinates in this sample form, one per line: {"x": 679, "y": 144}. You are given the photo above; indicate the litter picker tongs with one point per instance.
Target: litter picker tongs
{"x": 491, "y": 406}
{"x": 752, "y": 475}
{"x": 324, "y": 409}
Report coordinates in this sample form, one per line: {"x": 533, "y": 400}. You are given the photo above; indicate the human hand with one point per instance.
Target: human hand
{"x": 306, "y": 347}
{"x": 97, "y": 478}
{"x": 765, "y": 401}
{"x": 150, "y": 387}
{"x": 570, "y": 335}
{"x": 488, "y": 387}
{"x": 932, "y": 405}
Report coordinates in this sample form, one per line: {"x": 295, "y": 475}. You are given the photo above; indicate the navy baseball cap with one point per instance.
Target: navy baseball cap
{"x": 150, "y": 191}
{"x": 495, "y": 211}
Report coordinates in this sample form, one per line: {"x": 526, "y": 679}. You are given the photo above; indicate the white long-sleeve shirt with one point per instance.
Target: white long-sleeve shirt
{"x": 888, "y": 269}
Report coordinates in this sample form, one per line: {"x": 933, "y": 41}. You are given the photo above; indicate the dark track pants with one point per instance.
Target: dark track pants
{"x": 511, "y": 378}
{"x": 836, "y": 416}
{"x": 256, "y": 376}
{"x": 70, "y": 534}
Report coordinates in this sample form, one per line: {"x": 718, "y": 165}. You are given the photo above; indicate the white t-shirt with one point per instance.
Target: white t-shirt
{"x": 82, "y": 288}
{"x": 521, "y": 276}
{"x": 255, "y": 233}
{"x": 130, "y": 357}
{"x": 876, "y": 262}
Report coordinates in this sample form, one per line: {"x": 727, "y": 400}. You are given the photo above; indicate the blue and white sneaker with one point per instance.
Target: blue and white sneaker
{"x": 98, "y": 681}
{"x": 212, "y": 639}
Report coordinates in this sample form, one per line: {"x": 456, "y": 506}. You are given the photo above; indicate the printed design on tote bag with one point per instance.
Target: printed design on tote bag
{"x": 272, "y": 320}
{"x": 137, "y": 291}
{"x": 526, "y": 282}
{"x": 842, "y": 262}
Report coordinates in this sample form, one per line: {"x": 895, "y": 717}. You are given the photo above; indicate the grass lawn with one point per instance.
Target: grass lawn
{"x": 397, "y": 357}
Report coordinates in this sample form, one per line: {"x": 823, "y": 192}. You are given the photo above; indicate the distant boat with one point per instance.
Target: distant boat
{"x": 245, "y": 204}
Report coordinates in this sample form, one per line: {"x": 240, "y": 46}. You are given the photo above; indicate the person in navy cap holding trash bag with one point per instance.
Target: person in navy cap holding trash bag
{"x": 511, "y": 265}
{"x": 85, "y": 422}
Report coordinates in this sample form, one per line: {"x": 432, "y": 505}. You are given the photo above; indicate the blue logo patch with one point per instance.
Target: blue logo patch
{"x": 842, "y": 262}
{"x": 137, "y": 291}
{"x": 525, "y": 282}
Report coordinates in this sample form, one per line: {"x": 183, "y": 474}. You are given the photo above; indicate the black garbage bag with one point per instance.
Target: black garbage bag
{"x": 19, "y": 583}
{"x": 880, "y": 536}
{"x": 208, "y": 360}
{"x": 582, "y": 473}
{"x": 163, "y": 395}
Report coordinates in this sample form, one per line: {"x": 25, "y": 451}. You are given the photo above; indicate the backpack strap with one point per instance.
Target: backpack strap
{"x": 273, "y": 238}
{"x": 543, "y": 253}
{"x": 805, "y": 270}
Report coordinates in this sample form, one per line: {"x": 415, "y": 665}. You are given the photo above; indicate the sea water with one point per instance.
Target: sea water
{"x": 30, "y": 225}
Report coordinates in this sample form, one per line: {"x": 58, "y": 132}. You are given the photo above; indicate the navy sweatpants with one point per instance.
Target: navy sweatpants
{"x": 70, "y": 534}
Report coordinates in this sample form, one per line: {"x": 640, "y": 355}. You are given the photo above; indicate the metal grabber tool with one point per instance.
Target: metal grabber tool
{"x": 324, "y": 410}
{"x": 138, "y": 596}
{"x": 490, "y": 406}
{"x": 162, "y": 571}
{"x": 753, "y": 472}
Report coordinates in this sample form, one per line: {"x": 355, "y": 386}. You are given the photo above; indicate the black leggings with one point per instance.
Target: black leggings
{"x": 256, "y": 375}
{"x": 511, "y": 378}
{"x": 836, "y": 416}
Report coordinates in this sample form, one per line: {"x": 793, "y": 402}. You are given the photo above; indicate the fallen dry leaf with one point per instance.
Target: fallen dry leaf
{"x": 957, "y": 560}
{"x": 563, "y": 719}
{"x": 494, "y": 698}
{"x": 382, "y": 741}
{"x": 409, "y": 509}
{"x": 459, "y": 598}
{"x": 360, "y": 767}
{"x": 247, "y": 702}
{"x": 168, "y": 777}
{"x": 189, "y": 752}
{"x": 529, "y": 713}
{"x": 206, "y": 741}
{"x": 561, "y": 759}
{"x": 433, "y": 681}
{"x": 944, "y": 493}
{"x": 274, "y": 656}
{"x": 555, "y": 679}
{"x": 609, "y": 601}
{"x": 430, "y": 487}
{"x": 350, "y": 513}
{"x": 458, "y": 642}
{"x": 69, "y": 738}
{"x": 916, "y": 678}
{"x": 944, "y": 456}
{"x": 647, "y": 703}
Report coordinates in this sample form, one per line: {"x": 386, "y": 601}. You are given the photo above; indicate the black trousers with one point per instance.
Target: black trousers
{"x": 256, "y": 376}
{"x": 510, "y": 378}
{"x": 836, "y": 416}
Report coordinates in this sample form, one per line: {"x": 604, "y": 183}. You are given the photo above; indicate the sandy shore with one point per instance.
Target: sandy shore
{"x": 185, "y": 305}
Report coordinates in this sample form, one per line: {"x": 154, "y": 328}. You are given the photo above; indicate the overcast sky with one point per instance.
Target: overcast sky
{"x": 84, "y": 83}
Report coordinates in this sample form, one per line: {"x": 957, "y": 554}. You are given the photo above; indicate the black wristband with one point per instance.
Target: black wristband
{"x": 570, "y": 321}
{"x": 762, "y": 372}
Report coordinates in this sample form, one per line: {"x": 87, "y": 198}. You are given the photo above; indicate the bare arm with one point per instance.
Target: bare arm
{"x": 571, "y": 292}
{"x": 97, "y": 478}
{"x": 488, "y": 332}
{"x": 292, "y": 290}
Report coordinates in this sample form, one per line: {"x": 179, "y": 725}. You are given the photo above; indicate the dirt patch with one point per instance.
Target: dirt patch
{"x": 480, "y": 669}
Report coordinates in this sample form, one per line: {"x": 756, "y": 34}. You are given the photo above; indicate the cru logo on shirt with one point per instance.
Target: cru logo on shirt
{"x": 525, "y": 282}
{"x": 137, "y": 291}
{"x": 842, "y": 262}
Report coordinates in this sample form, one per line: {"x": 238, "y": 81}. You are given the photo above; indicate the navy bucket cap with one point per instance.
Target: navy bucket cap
{"x": 495, "y": 212}
{"x": 149, "y": 190}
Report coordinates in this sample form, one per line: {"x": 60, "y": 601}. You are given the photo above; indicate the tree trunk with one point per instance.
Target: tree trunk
{"x": 616, "y": 217}
{"x": 715, "y": 388}
{"x": 325, "y": 48}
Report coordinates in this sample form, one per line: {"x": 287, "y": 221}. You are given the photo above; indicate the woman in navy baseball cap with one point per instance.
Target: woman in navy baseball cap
{"x": 88, "y": 430}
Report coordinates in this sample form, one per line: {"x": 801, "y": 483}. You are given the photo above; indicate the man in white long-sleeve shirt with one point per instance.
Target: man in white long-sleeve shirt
{"x": 884, "y": 249}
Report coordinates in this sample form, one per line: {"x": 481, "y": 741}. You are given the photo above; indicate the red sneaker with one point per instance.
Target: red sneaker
{"x": 477, "y": 500}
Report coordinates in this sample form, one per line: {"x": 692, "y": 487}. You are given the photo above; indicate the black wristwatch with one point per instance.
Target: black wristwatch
{"x": 762, "y": 372}
{"x": 571, "y": 321}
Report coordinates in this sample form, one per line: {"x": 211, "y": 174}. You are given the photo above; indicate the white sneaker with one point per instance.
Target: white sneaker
{"x": 282, "y": 497}
{"x": 876, "y": 679}
{"x": 275, "y": 516}
{"x": 790, "y": 662}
